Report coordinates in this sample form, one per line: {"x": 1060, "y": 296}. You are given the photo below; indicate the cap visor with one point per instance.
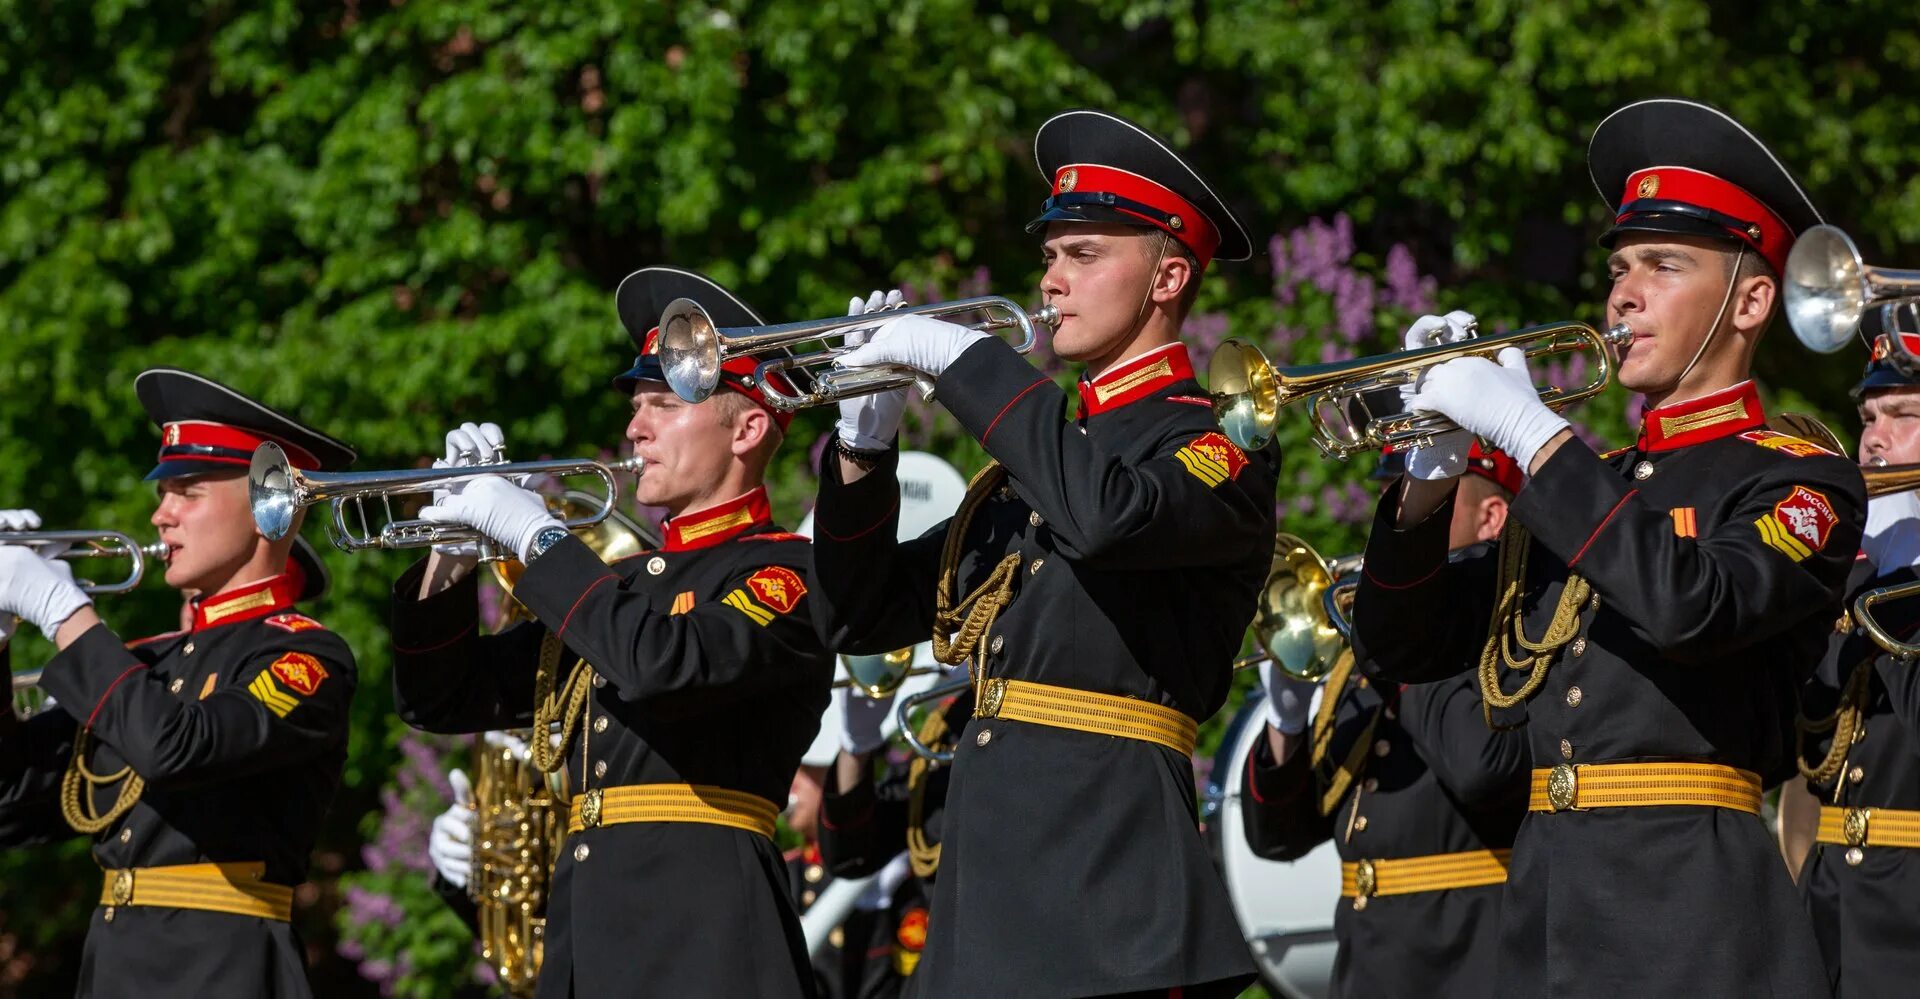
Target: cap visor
{"x": 1675, "y": 225}
{"x": 1088, "y": 213}
{"x": 182, "y": 467}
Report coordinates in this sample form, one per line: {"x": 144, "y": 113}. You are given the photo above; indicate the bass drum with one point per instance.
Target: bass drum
{"x": 1285, "y": 909}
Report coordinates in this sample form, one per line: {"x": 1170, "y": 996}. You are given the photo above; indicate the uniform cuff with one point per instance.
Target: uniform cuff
{"x": 1272, "y": 783}
{"x": 1399, "y": 559}
{"x": 1570, "y": 501}
{"x": 989, "y": 384}
{"x": 421, "y": 625}
{"x": 849, "y": 511}
{"x": 556, "y": 583}
{"x": 81, "y": 675}
{"x": 847, "y": 809}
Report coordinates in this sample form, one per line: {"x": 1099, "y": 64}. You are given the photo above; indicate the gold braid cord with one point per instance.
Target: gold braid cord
{"x": 1508, "y": 626}
{"x": 960, "y": 629}
{"x": 1843, "y": 723}
{"x": 567, "y": 707}
{"x": 79, "y": 783}
{"x": 1334, "y": 787}
{"x": 922, "y": 853}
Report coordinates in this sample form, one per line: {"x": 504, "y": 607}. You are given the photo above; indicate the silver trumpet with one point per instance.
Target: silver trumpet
{"x": 693, "y": 350}
{"x": 903, "y": 713}
{"x": 278, "y": 491}
{"x": 93, "y": 545}
{"x": 1828, "y": 288}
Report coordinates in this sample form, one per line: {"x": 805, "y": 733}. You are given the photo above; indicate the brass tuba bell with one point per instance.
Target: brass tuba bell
{"x": 880, "y": 676}
{"x": 1298, "y": 622}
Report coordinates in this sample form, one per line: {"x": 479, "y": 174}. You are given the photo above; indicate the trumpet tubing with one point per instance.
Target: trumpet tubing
{"x": 693, "y": 350}
{"x": 94, "y": 545}
{"x": 1249, "y": 391}
{"x": 1863, "y": 606}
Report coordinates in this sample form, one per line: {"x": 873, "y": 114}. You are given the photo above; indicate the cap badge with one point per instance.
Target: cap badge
{"x": 1649, "y": 186}
{"x": 1068, "y": 178}
{"x": 172, "y": 435}
{"x": 1753, "y": 232}
{"x": 1174, "y": 223}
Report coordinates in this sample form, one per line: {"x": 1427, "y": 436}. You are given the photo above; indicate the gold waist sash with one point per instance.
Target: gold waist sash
{"x": 1868, "y": 826}
{"x": 1574, "y": 787}
{"x": 702, "y": 803}
{"x": 1086, "y": 711}
{"x": 231, "y": 888}
{"x": 1436, "y": 872}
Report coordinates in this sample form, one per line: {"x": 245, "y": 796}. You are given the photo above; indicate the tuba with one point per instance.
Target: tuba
{"x": 519, "y": 814}
{"x": 1301, "y": 622}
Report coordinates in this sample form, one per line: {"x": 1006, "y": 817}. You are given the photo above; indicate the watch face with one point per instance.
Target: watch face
{"x": 547, "y": 538}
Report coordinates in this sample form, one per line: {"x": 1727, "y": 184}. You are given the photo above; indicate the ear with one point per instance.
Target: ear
{"x": 1492, "y": 519}
{"x": 1174, "y": 274}
{"x": 749, "y": 429}
{"x": 1753, "y": 303}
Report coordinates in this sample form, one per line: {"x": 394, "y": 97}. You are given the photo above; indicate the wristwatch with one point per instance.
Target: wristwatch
{"x": 547, "y": 538}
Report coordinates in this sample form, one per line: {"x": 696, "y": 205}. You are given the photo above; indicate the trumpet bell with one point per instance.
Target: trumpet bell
{"x": 1246, "y": 399}
{"x": 1291, "y": 622}
{"x": 879, "y": 676}
{"x": 271, "y": 491}
{"x": 689, "y": 350}
{"x": 1826, "y": 291}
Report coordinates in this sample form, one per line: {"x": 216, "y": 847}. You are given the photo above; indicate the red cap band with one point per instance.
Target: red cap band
{"x": 224, "y": 444}
{"x": 1497, "y": 465}
{"x": 1760, "y": 228}
{"x": 1184, "y": 222}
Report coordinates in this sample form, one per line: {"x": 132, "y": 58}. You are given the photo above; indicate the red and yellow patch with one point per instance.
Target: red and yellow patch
{"x": 1799, "y": 525}
{"x": 777, "y": 536}
{"x": 773, "y": 590}
{"x": 912, "y": 933}
{"x": 1685, "y": 525}
{"x": 300, "y": 671}
{"x": 1784, "y": 443}
{"x": 294, "y": 622}
{"x": 682, "y": 603}
{"x": 1212, "y": 459}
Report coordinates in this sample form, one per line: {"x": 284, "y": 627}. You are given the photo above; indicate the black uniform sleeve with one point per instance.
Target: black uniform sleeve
{"x": 449, "y": 678}
{"x": 33, "y": 756}
{"x": 1417, "y": 615}
{"x": 1743, "y": 582}
{"x": 1446, "y": 722}
{"x": 458, "y": 901}
{"x": 756, "y": 639}
{"x": 287, "y": 703}
{"x": 862, "y": 828}
{"x": 1184, "y": 507}
{"x": 875, "y": 595}
{"x": 1279, "y": 804}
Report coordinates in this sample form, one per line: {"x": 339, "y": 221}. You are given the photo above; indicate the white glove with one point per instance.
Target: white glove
{"x": 923, "y": 344}
{"x": 1289, "y": 699}
{"x": 1446, "y": 457}
{"x": 1892, "y": 540}
{"x": 498, "y": 509}
{"x": 862, "y": 720}
{"x": 37, "y": 589}
{"x": 19, "y": 520}
{"x": 468, "y": 445}
{"x": 507, "y": 741}
{"x": 1496, "y": 401}
{"x": 871, "y": 422}
{"x": 450, "y": 845}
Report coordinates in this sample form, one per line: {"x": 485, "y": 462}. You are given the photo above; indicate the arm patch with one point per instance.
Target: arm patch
{"x": 1212, "y": 459}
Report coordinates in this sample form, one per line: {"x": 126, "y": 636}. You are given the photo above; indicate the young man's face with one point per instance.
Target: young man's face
{"x": 207, "y": 524}
{"x": 1098, "y": 275}
{"x": 1669, "y": 288}
{"x": 1890, "y": 426}
{"x": 687, "y": 446}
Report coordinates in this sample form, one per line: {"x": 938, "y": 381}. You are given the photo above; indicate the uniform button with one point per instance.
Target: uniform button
{"x": 1856, "y": 775}
{"x": 600, "y": 768}
{"x": 1566, "y": 750}
{"x": 580, "y": 853}
{"x": 656, "y": 565}
{"x": 814, "y": 873}
{"x": 1370, "y": 785}
{"x": 1360, "y": 824}
{"x": 109, "y": 916}
{"x": 1573, "y": 697}
{"x": 1579, "y": 647}
{"x": 999, "y": 642}
{"x": 1854, "y": 856}
{"x": 1360, "y": 904}
{"x": 807, "y": 897}
{"x": 985, "y": 736}
{"x": 126, "y": 835}
{"x": 1382, "y": 747}
{"x": 1859, "y": 731}
{"x": 599, "y": 681}
{"x": 1643, "y": 470}
{"x": 1390, "y": 712}
{"x": 1593, "y": 602}
{"x": 174, "y": 687}
{"x": 1034, "y": 566}
{"x": 1035, "y": 519}
{"x": 189, "y": 649}
{"x": 600, "y": 724}
{"x": 838, "y": 938}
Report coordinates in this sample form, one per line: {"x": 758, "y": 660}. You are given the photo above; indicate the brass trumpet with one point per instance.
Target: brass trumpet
{"x": 693, "y": 349}
{"x": 92, "y": 545}
{"x": 880, "y": 676}
{"x": 1885, "y": 480}
{"x": 1863, "y": 613}
{"x": 277, "y": 491}
{"x": 1827, "y": 288}
{"x": 1301, "y": 620}
{"x": 1249, "y": 391}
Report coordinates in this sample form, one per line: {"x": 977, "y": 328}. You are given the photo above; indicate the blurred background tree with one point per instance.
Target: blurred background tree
{"x": 393, "y": 215}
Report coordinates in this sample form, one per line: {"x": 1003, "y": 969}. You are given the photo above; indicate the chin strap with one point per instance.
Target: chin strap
{"x": 1713, "y": 330}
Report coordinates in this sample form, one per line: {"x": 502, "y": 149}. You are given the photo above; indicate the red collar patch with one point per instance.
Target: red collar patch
{"x": 1729, "y": 411}
{"x": 1136, "y": 379}
{"x": 247, "y": 602}
{"x": 718, "y": 523}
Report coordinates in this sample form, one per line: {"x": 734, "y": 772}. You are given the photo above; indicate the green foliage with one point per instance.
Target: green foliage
{"x": 392, "y": 216}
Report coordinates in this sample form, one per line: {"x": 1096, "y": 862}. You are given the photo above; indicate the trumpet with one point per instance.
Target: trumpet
{"x": 92, "y": 545}
{"x": 1249, "y": 391}
{"x": 693, "y": 350}
{"x": 1863, "y": 606}
{"x": 1301, "y": 621}
{"x": 880, "y": 676}
{"x": 1885, "y": 480}
{"x": 903, "y": 713}
{"x": 1828, "y": 288}
{"x": 277, "y": 491}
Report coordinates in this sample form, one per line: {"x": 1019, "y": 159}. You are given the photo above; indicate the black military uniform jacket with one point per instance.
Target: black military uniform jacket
{"x": 1072, "y": 863}
{"x": 708, "y": 671}
{"x": 1717, "y": 552}
{"x": 239, "y": 728}
{"x": 1865, "y": 902}
{"x": 873, "y": 952}
{"x": 1432, "y": 779}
